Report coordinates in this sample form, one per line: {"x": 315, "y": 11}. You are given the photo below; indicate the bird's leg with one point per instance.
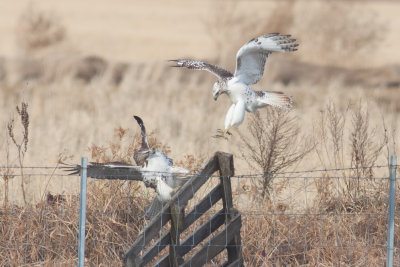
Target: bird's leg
{"x": 223, "y": 133}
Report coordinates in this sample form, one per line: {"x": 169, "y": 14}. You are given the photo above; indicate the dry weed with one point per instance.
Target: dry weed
{"x": 192, "y": 162}
{"x": 90, "y": 67}
{"x": 275, "y": 145}
{"x": 22, "y": 143}
{"x": 316, "y": 236}
{"x": 46, "y": 233}
{"x": 355, "y": 144}
{"x": 121, "y": 147}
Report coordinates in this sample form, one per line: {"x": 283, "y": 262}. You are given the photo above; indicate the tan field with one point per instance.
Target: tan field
{"x": 96, "y": 63}
{"x": 68, "y": 115}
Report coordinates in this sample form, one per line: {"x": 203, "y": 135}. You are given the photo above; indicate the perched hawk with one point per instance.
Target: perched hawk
{"x": 155, "y": 169}
{"x": 250, "y": 63}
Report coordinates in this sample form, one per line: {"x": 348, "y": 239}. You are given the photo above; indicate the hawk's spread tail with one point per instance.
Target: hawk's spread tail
{"x": 276, "y": 99}
{"x": 155, "y": 208}
{"x": 145, "y": 142}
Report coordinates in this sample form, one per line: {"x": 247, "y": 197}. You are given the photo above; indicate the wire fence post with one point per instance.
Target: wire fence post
{"x": 392, "y": 202}
{"x": 82, "y": 214}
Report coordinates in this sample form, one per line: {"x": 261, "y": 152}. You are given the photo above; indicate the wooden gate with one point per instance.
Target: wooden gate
{"x": 229, "y": 238}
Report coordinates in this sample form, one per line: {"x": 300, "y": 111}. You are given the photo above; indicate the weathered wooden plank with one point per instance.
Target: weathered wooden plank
{"x": 226, "y": 169}
{"x": 204, "y": 205}
{"x": 236, "y": 263}
{"x": 177, "y": 215}
{"x": 182, "y": 196}
{"x": 216, "y": 244}
{"x": 202, "y": 233}
{"x": 225, "y": 162}
{"x": 156, "y": 248}
{"x": 187, "y": 191}
{"x": 235, "y": 248}
{"x": 146, "y": 235}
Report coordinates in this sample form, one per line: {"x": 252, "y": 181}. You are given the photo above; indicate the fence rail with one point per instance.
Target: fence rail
{"x": 308, "y": 217}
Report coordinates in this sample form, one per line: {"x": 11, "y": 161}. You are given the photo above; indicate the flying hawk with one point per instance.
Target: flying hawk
{"x": 250, "y": 63}
{"x": 154, "y": 168}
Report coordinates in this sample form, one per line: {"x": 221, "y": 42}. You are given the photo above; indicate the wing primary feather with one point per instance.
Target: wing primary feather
{"x": 251, "y": 57}
{"x": 218, "y": 71}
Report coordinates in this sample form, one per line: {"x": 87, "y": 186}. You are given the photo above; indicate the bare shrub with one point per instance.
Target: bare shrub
{"x": 192, "y": 162}
{"x": 37, "y": 29}
{"x": 90, "y": 67}
{"x": 22, "y": 143}
{"x": 275, "y": 144}
{"x": 353, "y": 148}
{"x": 366, "y": 147}
{"x": 118, "y": 73}
{"x": 329, "y": 136}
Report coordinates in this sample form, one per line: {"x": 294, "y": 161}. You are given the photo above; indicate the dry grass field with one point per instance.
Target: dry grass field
{"x": 84, "y": 68}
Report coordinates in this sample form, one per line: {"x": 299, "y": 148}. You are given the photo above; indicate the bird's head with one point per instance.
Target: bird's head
{"x": 217, "y": 90}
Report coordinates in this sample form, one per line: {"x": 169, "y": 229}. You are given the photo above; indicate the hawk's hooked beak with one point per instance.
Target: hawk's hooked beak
{"x": 215, "y": 96}
{"x": 177, "y": 62}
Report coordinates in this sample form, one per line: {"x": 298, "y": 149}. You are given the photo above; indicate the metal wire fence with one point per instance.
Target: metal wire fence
{"x": 313, "y": 217}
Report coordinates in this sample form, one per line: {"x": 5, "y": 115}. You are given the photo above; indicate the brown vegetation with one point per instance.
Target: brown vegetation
{"x": 46, "y": 233}
{"x": 275, "y": 144}
{"x": 21, "y": 144}
{"x": 343, "y": 221}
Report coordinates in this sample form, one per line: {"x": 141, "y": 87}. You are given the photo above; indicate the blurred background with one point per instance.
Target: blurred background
{"x": 84, "y": 68}
{"x": 73, "y": 73}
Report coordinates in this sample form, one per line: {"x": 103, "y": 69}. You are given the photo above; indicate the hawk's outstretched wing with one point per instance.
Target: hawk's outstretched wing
{"x": 110, "y": 170}
{"x": 251, "y": 58}
{"x": 218, "y": 71}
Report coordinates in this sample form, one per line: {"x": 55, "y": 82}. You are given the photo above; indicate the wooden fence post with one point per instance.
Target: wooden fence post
{"x": 177, "y": 220}
{"x": 226, "y": 169}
